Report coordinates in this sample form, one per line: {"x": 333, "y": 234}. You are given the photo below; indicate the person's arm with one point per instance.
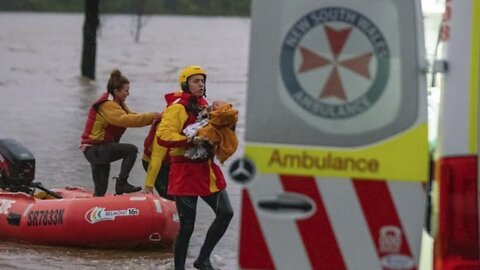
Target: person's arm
{"x": 169, "y": 132}
{"x": 158, "y": 154}
{"x": 115, "y": 115}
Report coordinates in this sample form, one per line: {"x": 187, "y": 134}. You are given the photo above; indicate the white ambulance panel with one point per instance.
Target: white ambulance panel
{"x": 457, "y": 189}
{"x": 336, "y": 151}
{"x": 344, "y": 71}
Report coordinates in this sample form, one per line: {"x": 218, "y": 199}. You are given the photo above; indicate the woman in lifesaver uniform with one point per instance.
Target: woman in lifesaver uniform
{"x": 190, "y": 179}
{"x": 106, "y": 122}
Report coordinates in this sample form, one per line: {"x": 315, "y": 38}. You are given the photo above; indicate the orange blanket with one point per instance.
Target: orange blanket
{"x": 219, "y": 131}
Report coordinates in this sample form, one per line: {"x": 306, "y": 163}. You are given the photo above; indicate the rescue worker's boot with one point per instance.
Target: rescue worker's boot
{"x": 204, "y": 264}
{"x": 122, "y": 186}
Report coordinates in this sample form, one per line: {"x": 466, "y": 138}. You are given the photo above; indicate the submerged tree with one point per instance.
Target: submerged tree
{"x": 140, "y": 20}
{"x": 90, "y": 38}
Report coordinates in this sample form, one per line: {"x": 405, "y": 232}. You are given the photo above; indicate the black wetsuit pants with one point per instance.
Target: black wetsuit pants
{"x": 187, "y": 209}
{"x": 101, "y": 155}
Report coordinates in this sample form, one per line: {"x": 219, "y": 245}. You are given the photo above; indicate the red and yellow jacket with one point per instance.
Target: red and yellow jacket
{"x": 154, "y": 153}
{"x": 187, "y": 177}
{"x": 107, "y": 120}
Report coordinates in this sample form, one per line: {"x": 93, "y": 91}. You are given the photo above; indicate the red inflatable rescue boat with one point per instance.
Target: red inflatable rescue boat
{"x": 71, "y": 216}
{"x": 78, "y": 219}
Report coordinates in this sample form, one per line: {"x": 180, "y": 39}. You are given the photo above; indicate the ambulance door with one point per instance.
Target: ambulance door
{"x": 336, "y": 136}
{"x": 456, "y": 230}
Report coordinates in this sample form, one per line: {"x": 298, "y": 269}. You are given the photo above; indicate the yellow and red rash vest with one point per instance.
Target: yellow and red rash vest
{"x": 107, "y": 120}
{"x": 149, "y": 140}
{"x": 187, "y": 177}
{"x": 155, "y": 154}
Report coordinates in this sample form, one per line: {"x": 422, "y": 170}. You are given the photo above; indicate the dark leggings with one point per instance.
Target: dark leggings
{"x": 100, "y": 156}
{"x": 187, "y": 209}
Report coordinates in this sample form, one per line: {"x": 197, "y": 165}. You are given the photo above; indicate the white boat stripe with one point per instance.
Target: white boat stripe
{"x": 348, "y": 223}
{"x": 138, "y": 198}
{"x": 27, "y": 210}
{"x": 281, "y": 234}
{"x": 409, "y": 200}
{"x": 158, "y": 206}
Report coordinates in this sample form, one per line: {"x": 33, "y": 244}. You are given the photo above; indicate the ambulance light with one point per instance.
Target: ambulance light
{"x": 457, "y": 240}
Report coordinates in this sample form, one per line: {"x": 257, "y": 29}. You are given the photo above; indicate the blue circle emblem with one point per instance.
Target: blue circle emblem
{"x": 338, "y": 25}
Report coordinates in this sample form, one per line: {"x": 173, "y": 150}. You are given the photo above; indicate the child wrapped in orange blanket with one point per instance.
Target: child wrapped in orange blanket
{"x": 214, "y": 134}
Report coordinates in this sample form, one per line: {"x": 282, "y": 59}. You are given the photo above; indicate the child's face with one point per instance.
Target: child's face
{"x": 216, "y": 104}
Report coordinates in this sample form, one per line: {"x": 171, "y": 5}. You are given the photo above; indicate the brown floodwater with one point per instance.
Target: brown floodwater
{"x": 43, "y": 105}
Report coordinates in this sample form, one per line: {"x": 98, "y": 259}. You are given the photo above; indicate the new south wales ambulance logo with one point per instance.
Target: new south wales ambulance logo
{"x": 335, "y": 63}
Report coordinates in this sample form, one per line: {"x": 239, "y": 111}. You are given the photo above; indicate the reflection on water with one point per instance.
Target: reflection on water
{"x": 18, "y": 256}
{"x": 43, "y": 104}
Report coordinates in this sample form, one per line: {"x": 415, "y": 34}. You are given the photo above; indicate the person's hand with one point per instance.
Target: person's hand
{"x": 148, "y": 190}
{"x": 158, "y": 117}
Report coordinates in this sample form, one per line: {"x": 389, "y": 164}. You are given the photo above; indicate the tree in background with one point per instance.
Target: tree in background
{"x": 140, "y": 19}
{"x": 171, "y": 5}
{"x": 177, "y": 7}
{"x": 90, "y": 27}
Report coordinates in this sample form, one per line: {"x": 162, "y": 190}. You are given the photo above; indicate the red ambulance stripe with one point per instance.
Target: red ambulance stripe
{"x": 316, "y": 231}
{"x": 254, "y": 252}
{"x": 380, "y": 211}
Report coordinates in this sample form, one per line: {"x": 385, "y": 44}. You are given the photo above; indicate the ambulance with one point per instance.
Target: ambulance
{"x": 336, "y": 158}
{"x": 456, "y": 187}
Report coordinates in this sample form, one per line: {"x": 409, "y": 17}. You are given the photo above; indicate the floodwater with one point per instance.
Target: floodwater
{"x": 44, "y": 100}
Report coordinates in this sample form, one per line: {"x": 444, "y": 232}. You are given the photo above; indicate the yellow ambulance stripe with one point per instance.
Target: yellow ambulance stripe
{"x": 403, "y": 157}
{"x": 474, "y": 76}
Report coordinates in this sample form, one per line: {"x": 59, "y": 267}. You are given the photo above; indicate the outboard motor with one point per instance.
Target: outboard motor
{"x": 17, "y": 166}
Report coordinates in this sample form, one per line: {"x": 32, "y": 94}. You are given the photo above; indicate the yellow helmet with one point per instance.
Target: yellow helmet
{"x": 187, "y": 72}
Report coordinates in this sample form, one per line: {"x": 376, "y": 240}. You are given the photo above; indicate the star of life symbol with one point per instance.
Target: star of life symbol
{"x": 335, "y": 62}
